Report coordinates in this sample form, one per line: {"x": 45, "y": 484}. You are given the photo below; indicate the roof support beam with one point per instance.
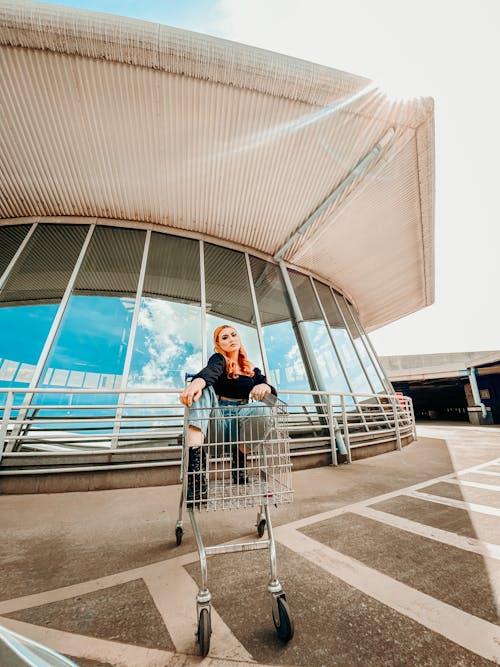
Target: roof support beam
{"x": 358, "y": 169}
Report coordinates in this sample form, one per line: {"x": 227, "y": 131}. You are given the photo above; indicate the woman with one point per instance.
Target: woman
{"x": 228, "y": 381}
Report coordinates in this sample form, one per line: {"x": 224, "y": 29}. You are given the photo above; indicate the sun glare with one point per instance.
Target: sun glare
{"x": 397, "y": 89}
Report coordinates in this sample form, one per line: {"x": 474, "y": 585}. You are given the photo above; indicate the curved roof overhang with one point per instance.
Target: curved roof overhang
{"x": 116, "y": 118}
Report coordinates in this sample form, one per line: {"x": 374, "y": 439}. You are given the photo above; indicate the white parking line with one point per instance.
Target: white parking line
{"x": 92, "y": 648}
{"x": 461, "y": 504}
{"x": 476, "y": 485}
{"x": 474, "y": 634}
{"x": 330, "y": 514}
{"x": 485, "y": 472}
{"x": 446, "y": 537}
{"x": 174, "y": 593}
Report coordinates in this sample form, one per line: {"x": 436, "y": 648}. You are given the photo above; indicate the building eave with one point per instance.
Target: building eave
{"x": 116, "y": 118}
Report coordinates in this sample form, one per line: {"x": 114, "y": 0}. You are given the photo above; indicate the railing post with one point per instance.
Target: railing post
{"x": 411, "y": 412}
{"x": 396, "y": 421}
{"x": 5, "y": 422}
{"x": 117, "y": 420}
{"x": 331, "y": 428}
{"x": 347, "y": 442}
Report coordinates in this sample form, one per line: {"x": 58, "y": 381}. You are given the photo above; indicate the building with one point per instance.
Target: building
{"x": 457, "y": 386}
{"x": 157, "y": 182}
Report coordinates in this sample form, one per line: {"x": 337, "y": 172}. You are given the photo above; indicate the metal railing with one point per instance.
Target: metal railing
{"x": 56, "y": 430}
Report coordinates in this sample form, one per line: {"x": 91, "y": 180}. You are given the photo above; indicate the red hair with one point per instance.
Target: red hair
{"x": 243, "y": 361}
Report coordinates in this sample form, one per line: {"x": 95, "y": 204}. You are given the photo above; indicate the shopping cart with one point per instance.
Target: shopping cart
{"x": 244, "y": 462}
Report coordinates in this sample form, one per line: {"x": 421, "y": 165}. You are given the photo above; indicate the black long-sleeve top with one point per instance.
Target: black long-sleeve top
{"x": 215, "y": 375}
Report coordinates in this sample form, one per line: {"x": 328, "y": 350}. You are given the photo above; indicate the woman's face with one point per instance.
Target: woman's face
{"x": 229, "y": 340}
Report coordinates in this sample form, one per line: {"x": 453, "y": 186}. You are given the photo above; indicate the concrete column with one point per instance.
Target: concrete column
{"x": 478, "y": 414}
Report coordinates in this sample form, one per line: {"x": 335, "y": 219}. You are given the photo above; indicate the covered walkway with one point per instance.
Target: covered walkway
{"x": 458, "y": 386}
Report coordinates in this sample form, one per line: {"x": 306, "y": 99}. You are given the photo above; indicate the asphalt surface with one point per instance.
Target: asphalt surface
{"x": 393, "y": 560}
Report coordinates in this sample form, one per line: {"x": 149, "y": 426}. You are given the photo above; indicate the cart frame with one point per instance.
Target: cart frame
{"x": 259, "y": 474}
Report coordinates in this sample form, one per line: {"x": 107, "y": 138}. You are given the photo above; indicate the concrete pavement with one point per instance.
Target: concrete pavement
{"x": 393, "y": 560}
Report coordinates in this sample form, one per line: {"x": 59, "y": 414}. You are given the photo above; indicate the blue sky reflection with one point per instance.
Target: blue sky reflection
{"x": 167, "y": 344}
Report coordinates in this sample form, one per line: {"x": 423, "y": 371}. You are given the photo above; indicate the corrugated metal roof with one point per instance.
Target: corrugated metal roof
{"x": 122, "y": 119}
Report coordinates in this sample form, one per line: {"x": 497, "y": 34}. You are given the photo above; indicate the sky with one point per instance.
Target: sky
{"x": 445, "y": 49}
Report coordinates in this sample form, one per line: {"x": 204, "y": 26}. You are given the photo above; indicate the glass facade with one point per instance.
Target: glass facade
{"x": 109, "y": 307}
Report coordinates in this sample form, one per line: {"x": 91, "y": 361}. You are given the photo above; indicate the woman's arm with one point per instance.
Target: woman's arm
{"x": 192, "y": 392}
{"x": 261, "y": 386}
{"x": 207, "y": 377}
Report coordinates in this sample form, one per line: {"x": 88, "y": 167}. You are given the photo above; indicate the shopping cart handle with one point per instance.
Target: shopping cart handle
{"x": 188, "y": 376}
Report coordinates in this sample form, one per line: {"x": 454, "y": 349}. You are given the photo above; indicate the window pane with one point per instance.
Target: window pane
{"x": 23, "y": 331}
{"x": 168, "y": 337}
{"x": 229, "y": 300}
{"x": 42, "y": 271}
{"x": 90, "y": 347}
{"x": 360, "y": 346}
{"x": 326, "y": 358}
{"x": 371, "y": 356}
{"x": 112, "y": 262}
{"x": 10, "y": 240}
{"x": 287, "y": 370}
{"x": 173, "y": 269}
{"x": 88, "y": 353}
{"x": 31, "y": 296}
{"x": 354, "y": 370}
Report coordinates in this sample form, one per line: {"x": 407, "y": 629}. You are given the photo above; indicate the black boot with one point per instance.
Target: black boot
{"x": 239, "y": 464}
{"x": 197, "y": 481}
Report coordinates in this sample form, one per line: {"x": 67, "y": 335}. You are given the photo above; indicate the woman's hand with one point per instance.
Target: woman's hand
{"x": 259, "y": 391}
{"x": 193, "y": 391}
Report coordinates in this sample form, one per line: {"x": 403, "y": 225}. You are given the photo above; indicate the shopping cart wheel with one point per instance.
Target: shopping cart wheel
{"x": 284, "y": 622}
{"x": 204, "y": 631}
{"x": 261, "y": 526}
{"x": 178, "y": 535}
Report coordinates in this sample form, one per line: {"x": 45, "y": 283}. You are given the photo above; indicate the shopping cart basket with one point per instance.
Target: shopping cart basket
{"x": 244, "y": 462}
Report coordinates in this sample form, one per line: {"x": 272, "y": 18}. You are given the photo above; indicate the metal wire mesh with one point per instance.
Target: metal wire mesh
{"x": 244, "y": 460}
